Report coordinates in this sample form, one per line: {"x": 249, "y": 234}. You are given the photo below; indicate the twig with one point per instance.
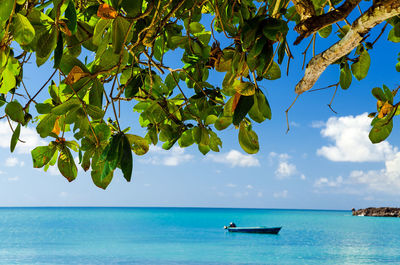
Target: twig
{"x": 37, "y": 93}
{"x": 287, "y": 113}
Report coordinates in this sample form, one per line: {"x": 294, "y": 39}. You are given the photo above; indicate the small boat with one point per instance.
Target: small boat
{"x": 258, "y": 230}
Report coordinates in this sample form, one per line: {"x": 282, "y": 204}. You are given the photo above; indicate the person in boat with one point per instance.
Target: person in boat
{"x": 232, "y": 224}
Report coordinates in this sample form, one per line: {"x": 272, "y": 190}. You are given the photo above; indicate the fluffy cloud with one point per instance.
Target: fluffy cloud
{"x": 284, "y": 169}
{"x": 384, "y": 180}
{"x": 235, "y": 159}
{"x": 29, "y": 136}
{"x": 325, "y": 182}
{"x": 351, "y": 143}
{"x": 172, "y": 157}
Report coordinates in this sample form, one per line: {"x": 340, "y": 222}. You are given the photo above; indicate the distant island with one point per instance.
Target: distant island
{"x": 380, "y": 212}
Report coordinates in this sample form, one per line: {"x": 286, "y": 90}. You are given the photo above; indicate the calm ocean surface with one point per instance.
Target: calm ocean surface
{"x": 193, "y": 236}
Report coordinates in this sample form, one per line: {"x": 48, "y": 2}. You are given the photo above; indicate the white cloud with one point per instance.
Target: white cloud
{"x": 385, "y": 180}
{"x": 29, "y": 136}
{"x": 284, "y": 169}
{"x": 281, "y": 194}
{"x": 351, "y": 142}
{"x": 259, "y": 194}
{"x": 325, "y": 182}
{"x": 173, "y": 157}
{"x": 231, "y": 185}
{"x": 303, "y": 177}
{"x": 13, "y": 179}
{"x": 11, "y": 162}
{"x": 317, "y": 124}
{"x": 250, "y": 187}
{"x": 294, "y": 124}
{"x": 235, "y": 159}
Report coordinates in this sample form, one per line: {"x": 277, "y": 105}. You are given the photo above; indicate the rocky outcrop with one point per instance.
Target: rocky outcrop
{"x": 382, "y": 212}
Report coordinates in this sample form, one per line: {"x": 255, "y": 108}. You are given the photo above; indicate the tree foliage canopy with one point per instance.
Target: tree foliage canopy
{"x": 129, "y": 40}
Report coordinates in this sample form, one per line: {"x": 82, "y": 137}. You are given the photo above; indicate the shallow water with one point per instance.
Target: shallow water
{"x": 193, "y": 236}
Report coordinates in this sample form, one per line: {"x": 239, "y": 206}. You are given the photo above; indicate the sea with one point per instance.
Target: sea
{"x": 193, "y": 236}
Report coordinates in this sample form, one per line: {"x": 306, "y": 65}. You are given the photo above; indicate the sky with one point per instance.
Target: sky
{"x": 325, "y": 161}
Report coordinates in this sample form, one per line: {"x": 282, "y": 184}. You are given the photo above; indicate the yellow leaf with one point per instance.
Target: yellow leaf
{"x": 56, "y": 128}
{"x": 107, "y": 12}
{"x": 75, "y": 75}
{"x": 235, "y": 101}
{"x": 386, "y": 109}
{"x": 64, "y": 28}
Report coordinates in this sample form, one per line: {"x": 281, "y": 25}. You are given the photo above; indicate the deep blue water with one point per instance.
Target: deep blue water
{"x": 193, "y": 236}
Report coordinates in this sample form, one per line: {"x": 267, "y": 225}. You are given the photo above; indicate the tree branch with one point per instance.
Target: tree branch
{"x": 361, "y": 26}
{"x": 314, "y": 23}
{"x": 304, "y": 8}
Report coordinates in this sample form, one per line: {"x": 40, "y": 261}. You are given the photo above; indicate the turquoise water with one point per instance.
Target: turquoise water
{"x": 193, "y": 236}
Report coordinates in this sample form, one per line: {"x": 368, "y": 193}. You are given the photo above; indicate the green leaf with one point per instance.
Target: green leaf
{"x": 95, "y": 112}
{"x": 120, "y": 28}
{"x": 378, "y": 93}
{"x": 244, "y": 105}
{"x": 274, "y": 72}
{"x": 42, "y": 155}
{"x": 261, "y": 109}
{"x": 139, "y": 145}
{"x": 66, "y": 106}
{"x": 96, "y": 94}
{"x": 58, "y": 52}
{"x": 222, "y": 123}
{"x": 46, "y": 125}
{"x": 186, "y": 139}
{"x": 126, "y": 160}
{"x": 98, "y": 179}
{"x": 248, "y": 140}
{"x": 282, "y": 51}
{"x": 99, "y": 30}
{"x": 345, "y": 76}
{"x": 132, "y": 8}
{"x": 360, "y": 68}
{"x": 380, "y": 132}
{"x": 204, "y": 149}
{"x": 273, "y": 28}
{"x": 6, "y": 9}
{"x": 22, "y": 29}
{"x": 15, "y": 137}
{"x": 47, "y": 43}
{"x": 196, "y": 133}
{"x": 325, "y": 32}
{"x": 15, "y": 111}
{"x": 70, "y": 14}
{"x": 133, "y": 85}
{"x": 210, "y": 119}
{"x": 66, "y": 164}
{"x": 43, "y": 108}
{"x": 196, "y": 27}
{"x": 388, "y": 94}
{"x": 392, "y": 36}
{"x": 244, "y": 88}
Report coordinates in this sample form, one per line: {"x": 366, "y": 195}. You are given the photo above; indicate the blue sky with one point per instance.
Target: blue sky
{"x": 325, "y": 162}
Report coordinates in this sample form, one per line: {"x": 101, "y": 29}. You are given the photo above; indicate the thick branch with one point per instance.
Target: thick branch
{"x": 304, "y": 8}
{"x": 372, "y": 17}
{"x": 313, "y": 24}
